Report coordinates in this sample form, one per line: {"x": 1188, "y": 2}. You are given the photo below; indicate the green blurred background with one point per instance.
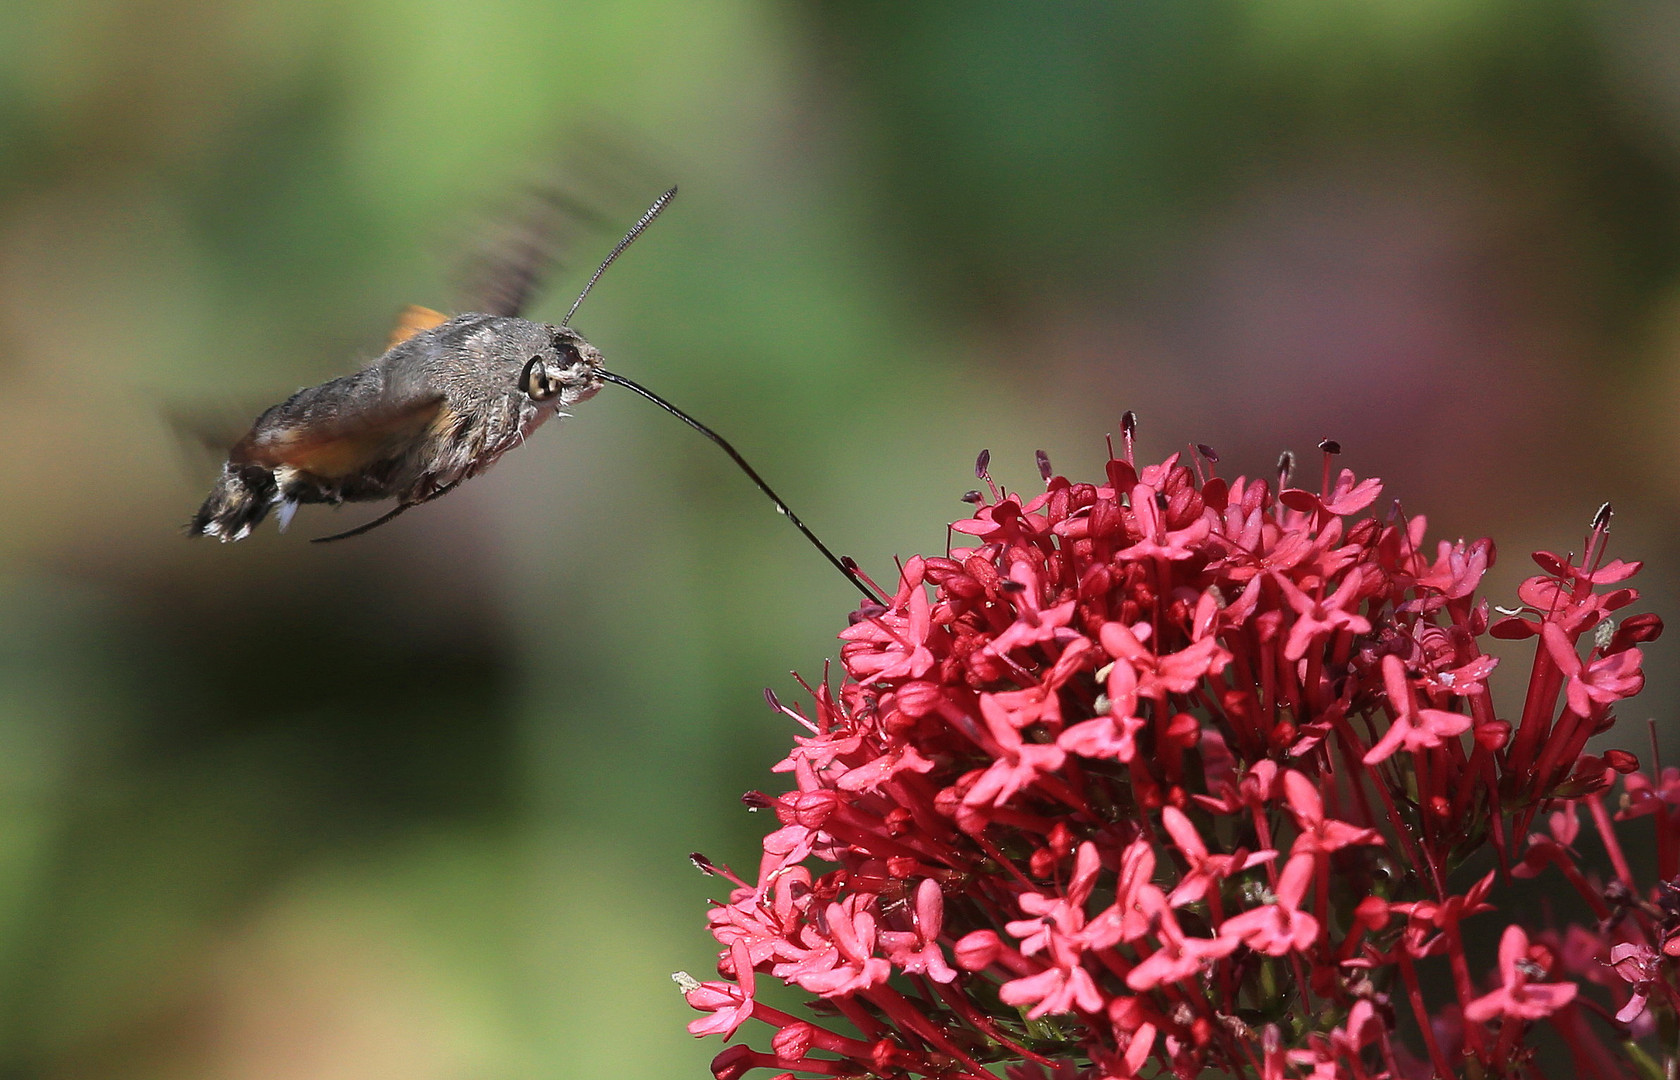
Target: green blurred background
{"x": 418, "y": 805}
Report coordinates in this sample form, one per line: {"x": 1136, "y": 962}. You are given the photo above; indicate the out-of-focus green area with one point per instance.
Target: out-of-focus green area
{"x": 419, "y": 804}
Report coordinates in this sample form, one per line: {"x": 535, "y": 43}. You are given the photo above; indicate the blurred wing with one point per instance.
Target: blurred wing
{"x": 602, "y": 186}
{"x": 412, "y": 320}
{"x": 204, "y": 434}
{"x": 342, "y": 446}
{"x": 524, "y": 247}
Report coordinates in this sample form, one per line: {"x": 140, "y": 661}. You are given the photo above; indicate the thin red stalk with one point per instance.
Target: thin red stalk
{"x": 1544, "y": 682}
{"x": 1463, "y": 986}
{"x": 1400, "y": 833}
{"x": 1569, "y": 736}
{"x": 965, "y": 1008}
{"x": 861, "y": 1018}
{"x": 1612, "y": 845}
{"x": 1414, "y": 994}
{"x": 898, "y": 1007}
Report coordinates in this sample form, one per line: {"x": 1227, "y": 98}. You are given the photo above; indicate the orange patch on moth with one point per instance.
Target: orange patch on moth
{"x": 412, "y": 320}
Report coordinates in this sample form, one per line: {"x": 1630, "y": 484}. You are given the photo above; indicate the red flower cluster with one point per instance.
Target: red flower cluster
{"x": 1174, "y": 774}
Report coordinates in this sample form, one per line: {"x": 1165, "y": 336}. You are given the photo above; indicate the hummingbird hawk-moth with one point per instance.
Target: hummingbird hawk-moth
{"x": 448, "y": 398}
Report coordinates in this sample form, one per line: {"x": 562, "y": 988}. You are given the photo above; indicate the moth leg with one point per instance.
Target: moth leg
{"x": 400, "y": 508}
{"x": 367, "y": 527}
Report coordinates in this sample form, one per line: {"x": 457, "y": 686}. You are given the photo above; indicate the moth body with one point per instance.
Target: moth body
{"x": 445, "y": 401}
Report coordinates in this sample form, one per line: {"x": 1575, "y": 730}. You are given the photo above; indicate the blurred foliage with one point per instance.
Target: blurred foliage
{"x": 420, "y": 804}
{"x": 1087, "y": 145}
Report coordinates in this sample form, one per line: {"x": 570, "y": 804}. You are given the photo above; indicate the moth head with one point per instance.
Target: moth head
{"x": 562, "y": 373}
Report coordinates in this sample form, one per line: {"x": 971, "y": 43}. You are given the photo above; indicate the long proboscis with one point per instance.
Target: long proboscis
{"x": 752, "y": 474}
{"x": 635, "y": 230}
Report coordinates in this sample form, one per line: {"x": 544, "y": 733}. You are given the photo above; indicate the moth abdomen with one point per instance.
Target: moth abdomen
{"x": 240, "y": 499}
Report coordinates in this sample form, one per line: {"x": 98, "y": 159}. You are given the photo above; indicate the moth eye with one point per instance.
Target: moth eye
{"x": 535, "y": 382}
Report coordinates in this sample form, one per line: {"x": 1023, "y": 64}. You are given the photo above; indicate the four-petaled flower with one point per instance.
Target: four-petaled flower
{"x": 1519, "y": 997}
{"x": 1412, "y": 728}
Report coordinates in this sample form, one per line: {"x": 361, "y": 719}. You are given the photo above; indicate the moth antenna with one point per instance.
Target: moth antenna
{"x": 635, "y": 230}
{"x": 735, "y": 456}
